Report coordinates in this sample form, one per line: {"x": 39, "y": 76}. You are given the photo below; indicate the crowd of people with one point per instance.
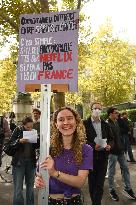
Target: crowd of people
{"x": 79, "y": 149}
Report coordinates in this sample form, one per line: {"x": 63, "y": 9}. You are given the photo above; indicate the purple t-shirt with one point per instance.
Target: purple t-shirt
{"x": 65, "y": 163}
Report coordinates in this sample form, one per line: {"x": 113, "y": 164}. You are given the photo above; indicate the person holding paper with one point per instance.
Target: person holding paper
{"x": 24, "y": 162}
{"x": 69, "y": 161}
{"x": 124, "y": 124}
{"x": 100, "y": 137}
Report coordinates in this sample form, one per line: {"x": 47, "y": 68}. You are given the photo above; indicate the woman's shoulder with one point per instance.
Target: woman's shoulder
{"x": 87, "y": 149}
{"x": 87, "y": 161}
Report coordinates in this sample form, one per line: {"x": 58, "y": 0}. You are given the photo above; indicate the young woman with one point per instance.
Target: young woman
{"x": 69, "y": 161}
{"x": 24, "y": 163}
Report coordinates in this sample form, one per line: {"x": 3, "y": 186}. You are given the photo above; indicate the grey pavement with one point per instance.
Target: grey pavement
{"x": 6, "y": 190}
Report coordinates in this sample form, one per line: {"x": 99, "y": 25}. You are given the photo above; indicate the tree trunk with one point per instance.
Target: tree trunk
{"x": 59, "y": 100}
{"x": 44, "y": 6}
{"x": 79, "y": 4}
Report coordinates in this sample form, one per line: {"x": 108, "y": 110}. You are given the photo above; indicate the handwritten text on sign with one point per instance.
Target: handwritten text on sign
{"x": 48, "y": 49}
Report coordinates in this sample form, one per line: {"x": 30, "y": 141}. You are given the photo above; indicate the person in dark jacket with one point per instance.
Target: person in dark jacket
{"x": 125, "y": 130}
{"x": 24, "y": 163}
{"x": 36, "y": 120}
{"x": 117, "y": 155}
{"x": 36, "y": 113}
{"x": 99, "y": 136}
{"x": 12, "y": 122}
{"x": 5, "y": 133}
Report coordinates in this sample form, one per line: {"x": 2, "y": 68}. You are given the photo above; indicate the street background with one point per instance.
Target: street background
{"x": 7, "y": 189}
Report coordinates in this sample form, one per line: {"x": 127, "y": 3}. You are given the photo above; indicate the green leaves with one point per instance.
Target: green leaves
{"x": 106, "y": 68}
{"x": 105, "y": 63}
{"x": 7, "y": 84}
{"x": 111, "y": 62}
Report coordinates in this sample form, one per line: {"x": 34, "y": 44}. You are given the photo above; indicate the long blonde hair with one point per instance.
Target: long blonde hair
{"x": 78, "y": 136}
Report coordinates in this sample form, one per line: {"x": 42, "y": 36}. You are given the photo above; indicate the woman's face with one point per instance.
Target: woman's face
{"x": 28, "y": 126}
{"x": 66, "y": 122}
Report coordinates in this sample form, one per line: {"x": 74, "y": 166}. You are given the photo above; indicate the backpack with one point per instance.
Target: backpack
{"x": 11, "y": 147}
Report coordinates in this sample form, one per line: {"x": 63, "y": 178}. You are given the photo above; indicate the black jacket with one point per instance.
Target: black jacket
{"x": 12, "y": 125}
{"x": 118, "y": 144}
{"x": 91, "y": 134}
{"x": 14, "y": 142}
{"x": 124, "y": 126}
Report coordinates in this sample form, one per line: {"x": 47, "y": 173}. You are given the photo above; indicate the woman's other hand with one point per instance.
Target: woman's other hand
{"x": 39, "y": 182}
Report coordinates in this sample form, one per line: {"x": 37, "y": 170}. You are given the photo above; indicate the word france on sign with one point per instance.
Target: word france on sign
{"x": 48, "y": 49}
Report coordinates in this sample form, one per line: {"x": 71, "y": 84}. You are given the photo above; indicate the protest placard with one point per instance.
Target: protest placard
{"x": 48, "y": 49}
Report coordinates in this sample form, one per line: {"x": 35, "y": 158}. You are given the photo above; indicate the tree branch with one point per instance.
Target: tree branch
{"x": 34, "y": 7}
{"x": 79, "y": 4}
{"x": 44, "y": 6}
{"x": 10, "y": 21}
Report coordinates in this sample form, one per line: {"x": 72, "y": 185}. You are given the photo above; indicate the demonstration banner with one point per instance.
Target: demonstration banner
{"x": 48, "y": 49}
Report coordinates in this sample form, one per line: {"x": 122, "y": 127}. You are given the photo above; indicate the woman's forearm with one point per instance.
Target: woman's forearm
{"x": 75, "y": 181}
